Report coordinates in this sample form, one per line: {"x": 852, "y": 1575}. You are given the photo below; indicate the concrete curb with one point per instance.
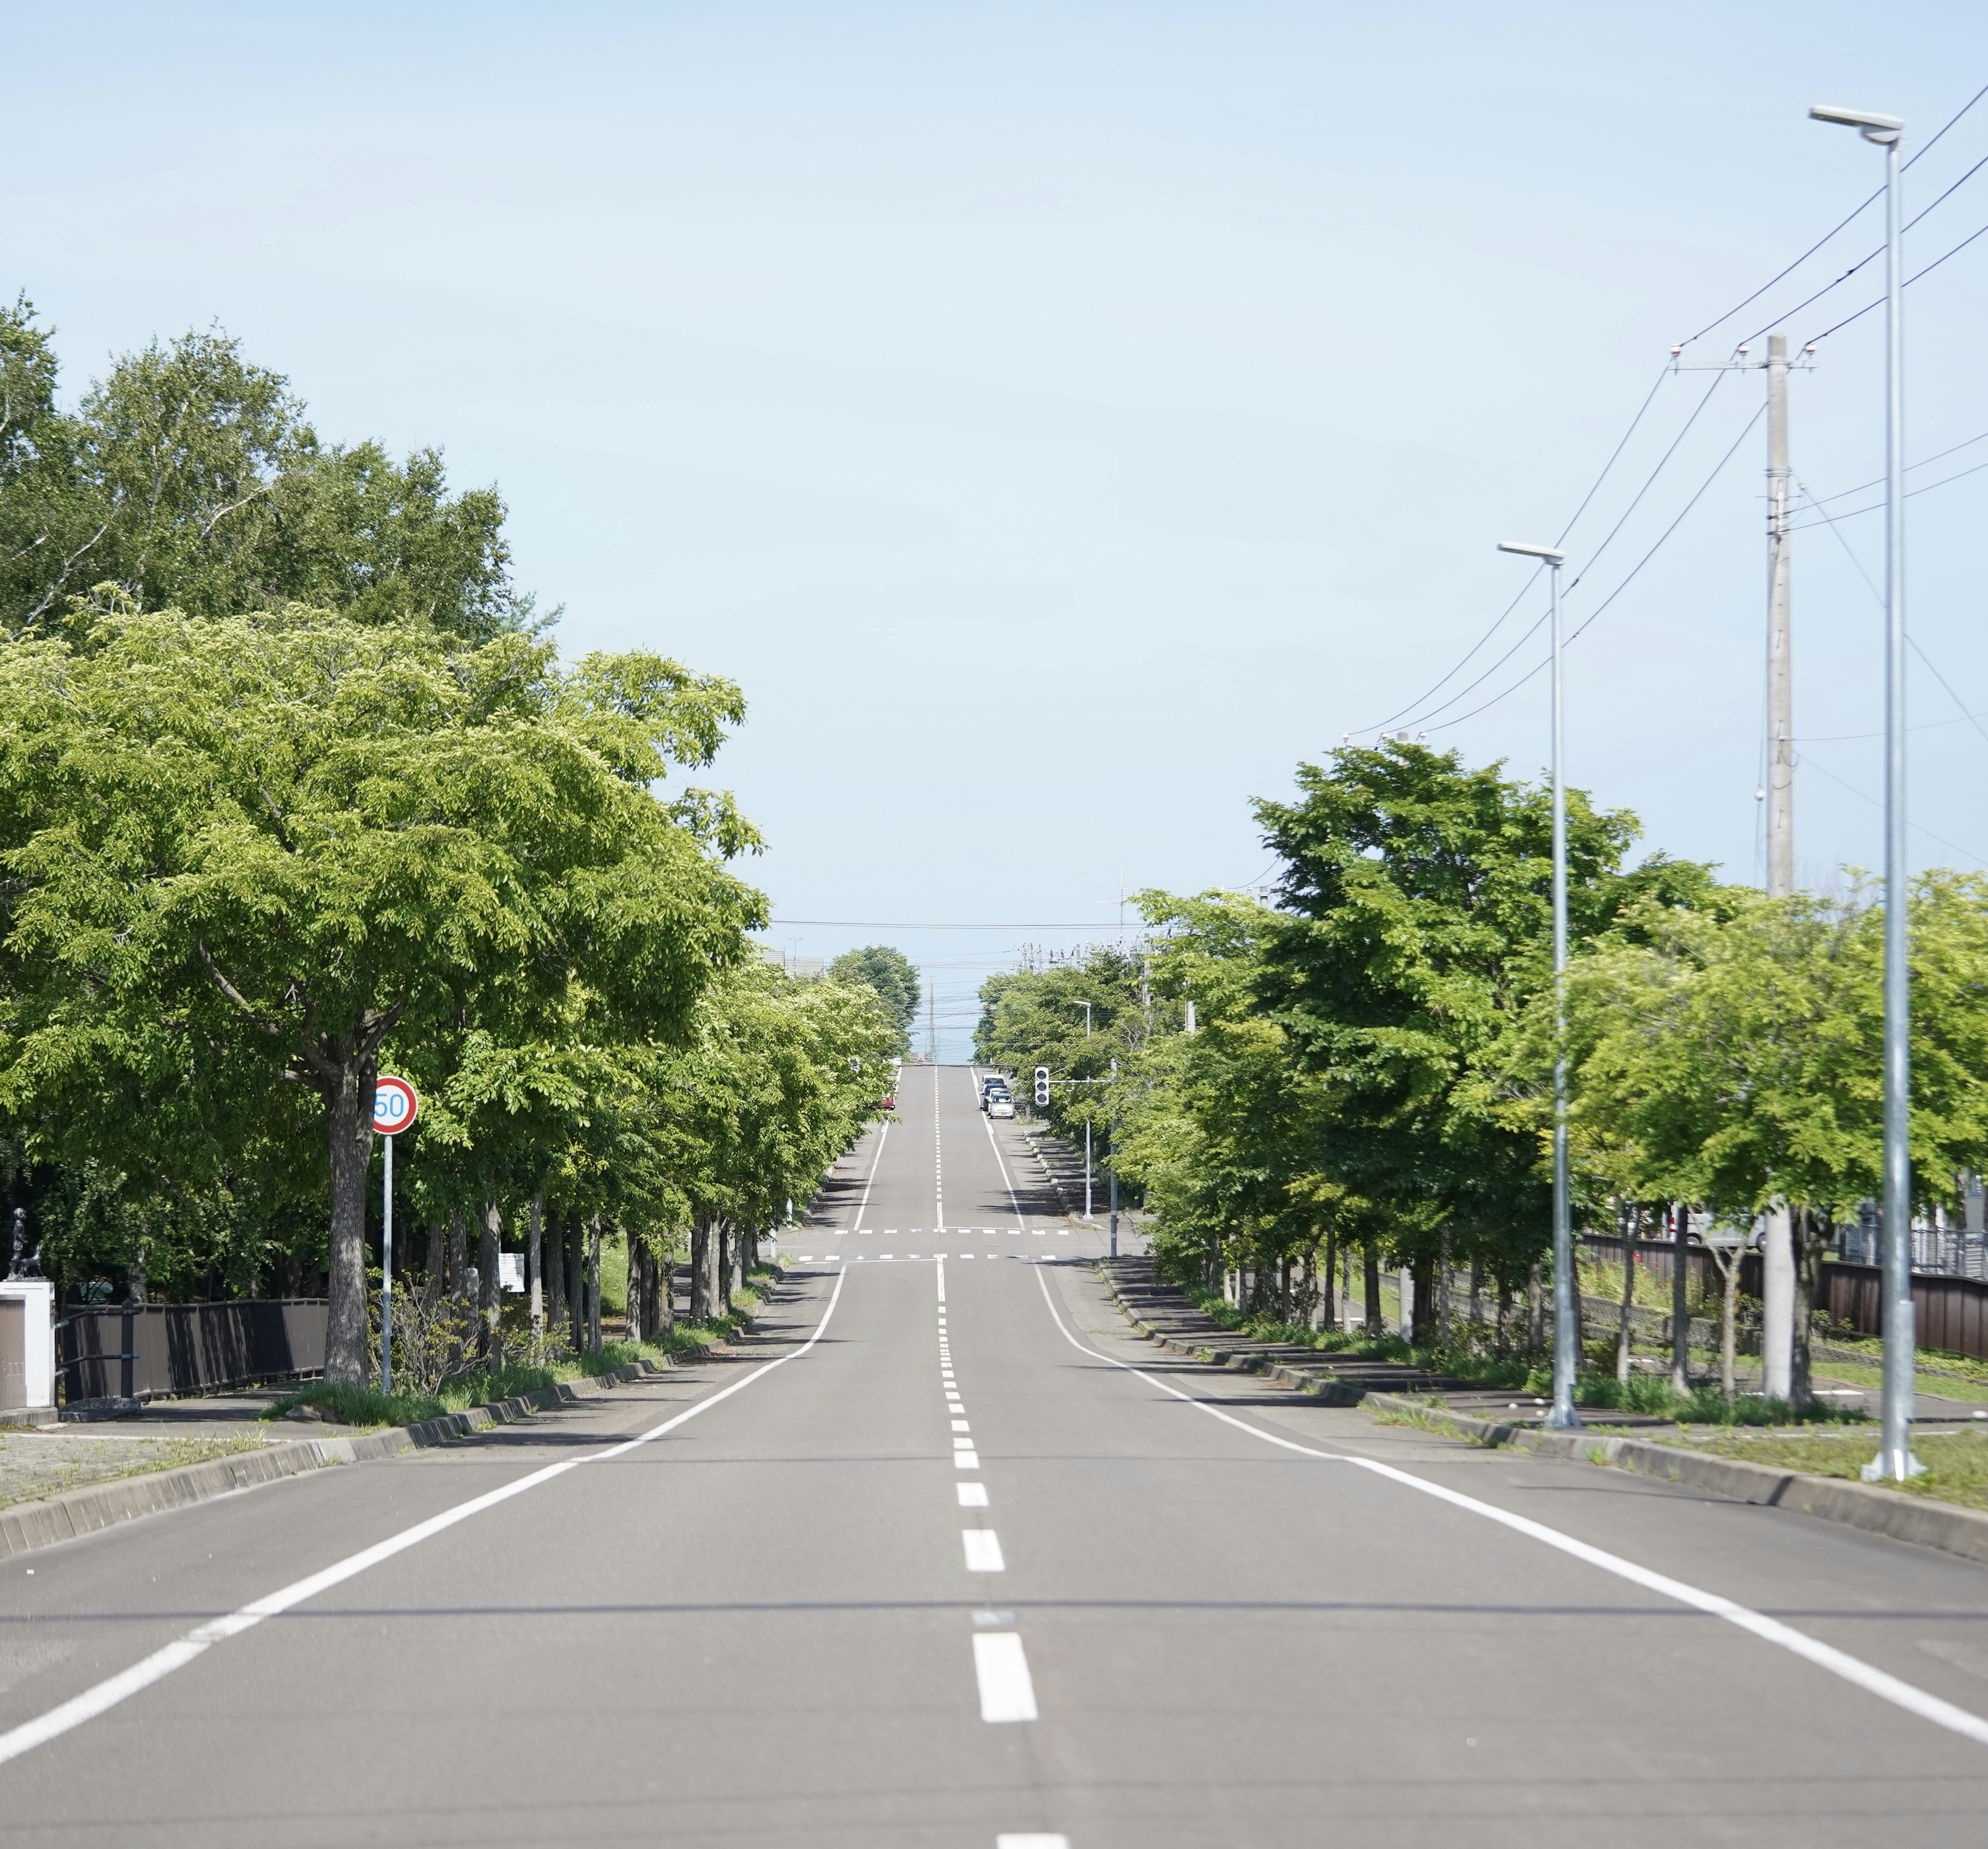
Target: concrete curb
{"x": 1321, "y": 1385}
{"x": 1887, "y": 1512}
{"x": 24, "y": 1526}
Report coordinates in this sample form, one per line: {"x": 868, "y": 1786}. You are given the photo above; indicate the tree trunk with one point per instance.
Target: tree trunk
{"x": 138, "y": 1286}
{"x": 490, "y": 1284}
{"x": 1503, "y": 1339}
{"x": 653, "y": 1273}
{"x": 1328, "y": 1296}
{"x": 349, "y": 1126}
{"x": 701, "y": 1307}
{"x": 576, "y": 1278}
{"x": 728, "y": 1268}
{"x": 632, "y": 1290}
{"x": 1535, "y": 1308}
{"x": 594, "y": 1283}
{"x": 556, "y": 1310}
{"x": 535, "y": 1279}
{"x": 1424, "y": 1275}
{"x": 437, "y": 1258}
{"x": 1370, "y": 1279}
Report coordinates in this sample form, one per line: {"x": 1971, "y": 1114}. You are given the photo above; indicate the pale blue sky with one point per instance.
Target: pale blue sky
{"x": 1063, "y": 419}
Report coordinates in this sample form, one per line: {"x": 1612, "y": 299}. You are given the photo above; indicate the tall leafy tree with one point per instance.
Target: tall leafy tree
{"x": 190, "y": 477}
{"x": 1415, "y": 927}
{"x": 886, "y": 969}
{"x": 289, "y": 839}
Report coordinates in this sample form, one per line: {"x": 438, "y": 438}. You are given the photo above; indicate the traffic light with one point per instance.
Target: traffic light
{"x": 1042, "y": 1084}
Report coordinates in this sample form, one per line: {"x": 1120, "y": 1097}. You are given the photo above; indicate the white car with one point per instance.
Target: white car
{"x": 1002, "y": 1106}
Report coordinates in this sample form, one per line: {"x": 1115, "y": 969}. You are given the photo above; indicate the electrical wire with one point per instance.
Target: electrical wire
{"x": 1918, "y": 827}
{"x": 1718, "y": 468}
{"x": 1907, "y": 284}
{"x": 1959, "y": 474}
{"x": 1973, "y": 719}
{"x": 1614, "y": 455}
{"x": 1843, "y": 226}
{"x": 1844, "y": 494}
{"x": 1464, "y": 692}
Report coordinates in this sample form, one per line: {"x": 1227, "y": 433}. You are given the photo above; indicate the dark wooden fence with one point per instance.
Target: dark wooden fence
{"x": 149, "y": 1351}
{"x": 1950, "y": 1312}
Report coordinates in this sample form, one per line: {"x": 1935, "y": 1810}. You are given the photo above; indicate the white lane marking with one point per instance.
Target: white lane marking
{"x": 966, "y": 1460}
{"x": 1006, "y": 1693}
{"x": 863, "y": 1205}
{"x": 1030, "y": 1839}
{"x": 938, "y": 1162}
{"x": 1866, "y": 1676}
{"x": 983, "y": 1550}
{"x": 972, "y": 1496}
{"x": 107, "y": 1694}
{"x": 942, "y": 1290}
{"x": 961, "y": 1426}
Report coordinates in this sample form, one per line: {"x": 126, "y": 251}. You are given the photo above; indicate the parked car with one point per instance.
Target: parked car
{"x": 993, "y": 1092}
{"x": 1001, "y": 1106}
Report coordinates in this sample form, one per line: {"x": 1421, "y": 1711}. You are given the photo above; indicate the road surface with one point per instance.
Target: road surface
{"x": 945, "y": 1558}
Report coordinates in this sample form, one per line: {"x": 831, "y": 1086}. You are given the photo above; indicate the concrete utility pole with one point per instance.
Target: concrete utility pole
{"x": 931, "y": 1026}
{"x": 1777, "y": 1251}
{"x": 1778, "y": 1247}
{"x": 1780, "y": 645}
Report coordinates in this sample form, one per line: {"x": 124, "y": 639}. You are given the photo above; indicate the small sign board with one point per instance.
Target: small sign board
{"x": 395, "y": 1106}
{"x": 511, "y": 1271}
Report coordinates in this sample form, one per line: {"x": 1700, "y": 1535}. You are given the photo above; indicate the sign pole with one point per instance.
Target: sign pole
{"x": 386, "y": 1275}
{"x": 395, "y": 1106}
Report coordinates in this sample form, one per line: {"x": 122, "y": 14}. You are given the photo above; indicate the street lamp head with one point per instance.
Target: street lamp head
{"x": 1883, "y": 129}
{"x": 1548, "y": 553}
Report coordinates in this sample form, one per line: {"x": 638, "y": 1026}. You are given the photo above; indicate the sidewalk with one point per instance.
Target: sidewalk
{"x": 42, "y": 1461}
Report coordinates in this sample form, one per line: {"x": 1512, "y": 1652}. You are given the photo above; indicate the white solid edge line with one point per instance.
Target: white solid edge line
{"x": 877, "y": 1156}
{"x": 1852, "y": 1669}
{"x": 1007, "y": 1693}
{"x": 161, "y": 1663}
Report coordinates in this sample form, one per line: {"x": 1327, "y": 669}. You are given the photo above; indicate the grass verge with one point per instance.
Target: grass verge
{"x": 1956, "y": 1462}
{"x": 1642, "y": 1393}
{"x": 367, "y": 1408}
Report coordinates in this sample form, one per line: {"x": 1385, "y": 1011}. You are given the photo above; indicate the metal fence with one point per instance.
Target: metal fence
{"x": 151, "y": 1350}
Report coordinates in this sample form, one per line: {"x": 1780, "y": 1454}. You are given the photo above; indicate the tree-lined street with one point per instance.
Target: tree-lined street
{"x": 761, "y": 1625}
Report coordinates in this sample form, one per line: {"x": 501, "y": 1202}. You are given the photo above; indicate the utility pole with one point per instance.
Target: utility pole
{"x": 931, "y": 1026}
{"x": 1777, "y": 1248}
{"x": 1780, "y": 642}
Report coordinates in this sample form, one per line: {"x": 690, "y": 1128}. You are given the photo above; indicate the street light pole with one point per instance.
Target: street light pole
{"x": 1895, "y": 1458}
{"x": 1561, "y": 1416}
{"x": 1114, "y": 1158}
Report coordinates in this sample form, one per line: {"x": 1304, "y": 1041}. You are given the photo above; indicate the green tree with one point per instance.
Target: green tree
{"x": 1736, "y": 1059}
{"x": 264, "y": 848}
{"x": 886, "y": 969}
{"x": 190, "y": 478}
{"x": 1416, "y": 926}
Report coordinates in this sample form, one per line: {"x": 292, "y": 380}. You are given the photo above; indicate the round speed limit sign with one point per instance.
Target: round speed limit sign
{"x": 395, "y": 1106}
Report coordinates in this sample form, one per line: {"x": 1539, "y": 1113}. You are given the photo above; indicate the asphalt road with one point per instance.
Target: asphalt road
{"x": 822, "y": 1608}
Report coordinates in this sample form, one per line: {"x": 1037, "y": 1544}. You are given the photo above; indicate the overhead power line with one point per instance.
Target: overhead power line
{"x": 1843, "y": 225}
{"x": 1718, "y": 469}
